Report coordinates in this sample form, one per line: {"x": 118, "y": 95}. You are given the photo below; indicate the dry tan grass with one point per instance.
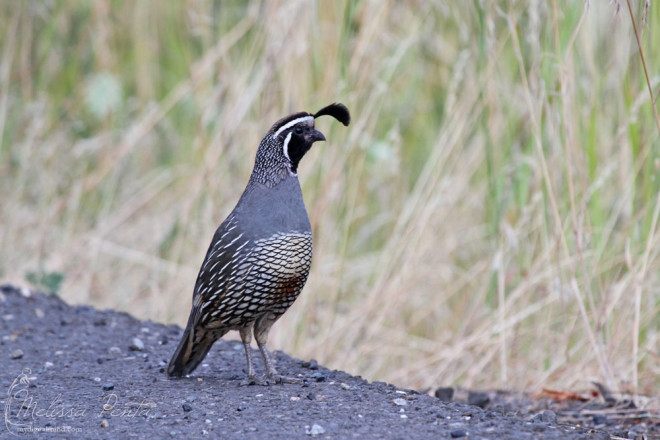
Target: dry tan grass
{"x": 489, "y": 219}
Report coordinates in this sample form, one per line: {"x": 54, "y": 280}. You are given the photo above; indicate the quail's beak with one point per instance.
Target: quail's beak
{"x": 313, "y": 136}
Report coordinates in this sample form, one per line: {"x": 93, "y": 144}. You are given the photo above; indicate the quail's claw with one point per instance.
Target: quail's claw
{"x": 285, "y": 379}
{"x": 253, "y": 380}
{"x": 268, "y": 380}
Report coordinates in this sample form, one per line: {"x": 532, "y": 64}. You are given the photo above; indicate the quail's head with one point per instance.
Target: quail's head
{"x": 293, "y": 135}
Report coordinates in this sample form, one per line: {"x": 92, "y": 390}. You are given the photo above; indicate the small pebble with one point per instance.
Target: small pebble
{"x": 17, "y": 354}
{"x": 104, "y": 423}
{"x": 445, "y": 394}
{"x": 600, "y": 419}
{"x": 345, "y": 386}
{"x": 547, "y": 416}
{"x": 100, "y": 322}
{"x": 400, "y": 402}
{"x": 108, "y": 386}
{"x": 187, "y": 407}
{"x": 539, "y": 427}
{"x": 311, "y": 364}
{"x": 27, "y": 293}
{"x": 40, "y": 313}
{"x": 136, "y": 345}
{"x": 48, "y": 365}
{"x": 636, "y": 432}
{"x": 314, "y": 430}
{"x": 319, "y": 377}
{"x": 458, "y": 433}
{"x": 164, "y": 340}
{"x": 478, "y": 398}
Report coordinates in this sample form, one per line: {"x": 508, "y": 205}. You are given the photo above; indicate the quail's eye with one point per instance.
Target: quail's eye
{"x": 298, "y": 130}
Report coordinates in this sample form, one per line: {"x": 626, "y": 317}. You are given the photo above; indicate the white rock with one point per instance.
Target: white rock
{"x": 314, "y": 430}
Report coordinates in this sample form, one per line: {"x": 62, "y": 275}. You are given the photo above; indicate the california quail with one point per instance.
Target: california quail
{"x": 260, "y": 256}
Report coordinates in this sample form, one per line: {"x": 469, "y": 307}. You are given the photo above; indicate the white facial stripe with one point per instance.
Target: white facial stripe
{"x": 286, "y": 146}
{"x": 292, "y": 123}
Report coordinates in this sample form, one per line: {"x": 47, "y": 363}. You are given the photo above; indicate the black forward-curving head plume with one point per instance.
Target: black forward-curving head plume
{"x": 336, "y": 110}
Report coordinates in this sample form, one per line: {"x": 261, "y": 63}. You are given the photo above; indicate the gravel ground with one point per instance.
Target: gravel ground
{"x": 77, "y": 371}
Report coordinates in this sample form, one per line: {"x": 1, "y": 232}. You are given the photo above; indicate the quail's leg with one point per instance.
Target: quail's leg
{"x": 261, "y": 328}
{"x": 246, "y": 337}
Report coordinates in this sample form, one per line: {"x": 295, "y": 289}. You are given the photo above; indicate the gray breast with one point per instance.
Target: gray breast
{"x": 264, "y": 211}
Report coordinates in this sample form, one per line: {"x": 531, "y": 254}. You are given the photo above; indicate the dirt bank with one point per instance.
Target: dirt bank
{"x": 99, "y": 374}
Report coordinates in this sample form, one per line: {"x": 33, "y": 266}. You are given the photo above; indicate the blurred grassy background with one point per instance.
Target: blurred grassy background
{"x": 489, "y": 219}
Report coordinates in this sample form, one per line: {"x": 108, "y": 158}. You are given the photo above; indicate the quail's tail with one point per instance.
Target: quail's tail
{"x": 193, "y": 348}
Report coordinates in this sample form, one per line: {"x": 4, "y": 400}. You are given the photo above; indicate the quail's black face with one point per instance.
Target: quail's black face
{"x": 297, "y": 140}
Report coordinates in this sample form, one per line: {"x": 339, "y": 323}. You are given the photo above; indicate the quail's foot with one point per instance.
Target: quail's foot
{"x": 253, "y": 380}
{"x": 276, "y": 378}
{"x": 269, "y": 379}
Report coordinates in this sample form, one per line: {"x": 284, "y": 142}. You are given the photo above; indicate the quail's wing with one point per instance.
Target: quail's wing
{"x": 219, "y": 273}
